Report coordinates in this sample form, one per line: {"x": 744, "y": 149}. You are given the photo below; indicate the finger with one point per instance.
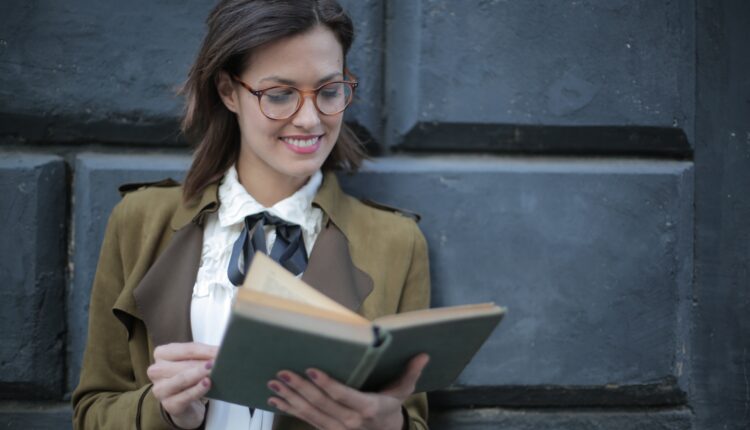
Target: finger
{"x": 292, "y": 403}
{"x": 315, "y": 396}
{"x": 340, "y": 393}
{"x": 180, "y": 402}
{"x": 185, "y": 351}
{"x": 167, "y": 369}
{"x": 404, "y": 386}
{"x": 169, "y": 387}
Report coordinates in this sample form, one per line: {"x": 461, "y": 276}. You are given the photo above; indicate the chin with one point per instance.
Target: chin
{"x": 303, "y": 172}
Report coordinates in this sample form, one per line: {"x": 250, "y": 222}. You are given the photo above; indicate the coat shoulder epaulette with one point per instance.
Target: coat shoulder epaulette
{"x": 164, "y": 183}
{"x": 382, "y": 206}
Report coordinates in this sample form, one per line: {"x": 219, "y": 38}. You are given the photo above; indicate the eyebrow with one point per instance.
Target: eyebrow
{"x": 290, "y": 82}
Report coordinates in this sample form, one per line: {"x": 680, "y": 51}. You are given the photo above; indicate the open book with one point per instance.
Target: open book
{"x": 280, "y": 323}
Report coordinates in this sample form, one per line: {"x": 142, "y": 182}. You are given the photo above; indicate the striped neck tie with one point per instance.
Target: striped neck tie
{"x": 288, "y": 249}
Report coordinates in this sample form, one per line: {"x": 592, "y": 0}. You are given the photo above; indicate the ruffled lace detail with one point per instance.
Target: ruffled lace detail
{"x": 236, "y": 204}
{"x": 222, "y": 228}
{"x": 217, "y": 248}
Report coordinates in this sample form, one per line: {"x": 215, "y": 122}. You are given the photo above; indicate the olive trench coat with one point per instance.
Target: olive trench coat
{"x": 371, "y": 260}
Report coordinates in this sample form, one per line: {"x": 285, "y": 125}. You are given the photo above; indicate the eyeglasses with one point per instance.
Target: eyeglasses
{"x": 282, "y": 102}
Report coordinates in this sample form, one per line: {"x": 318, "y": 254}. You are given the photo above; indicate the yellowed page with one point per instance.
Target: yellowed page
{"x": 436, "y": 315}
{"x": 251, "y": 299}
{"x": 267, "y": 276}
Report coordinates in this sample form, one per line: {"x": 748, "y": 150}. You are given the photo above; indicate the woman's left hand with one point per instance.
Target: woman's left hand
{"x": 328, "y": 404}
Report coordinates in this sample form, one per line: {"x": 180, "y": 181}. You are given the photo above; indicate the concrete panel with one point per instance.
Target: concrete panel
{"x": 32, "y": 267}
{"x": 465, "y": 65}
{"x": 593, "y": 258}
{"x": 366, "y": 61}
{"x": 41, "y": 416}
{"x": 486, "y": 419}
{"x": 109, "y": 71}
{"x": 721, "y": 326}
{"x": 97, "y": 177}
{"x": 96, "y": 70}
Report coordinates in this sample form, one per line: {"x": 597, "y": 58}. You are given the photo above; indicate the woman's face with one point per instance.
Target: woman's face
{"x": 289, "y": 149}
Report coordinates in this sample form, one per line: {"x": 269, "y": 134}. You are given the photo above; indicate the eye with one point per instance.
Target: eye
{"x": 331, "y": 91}
{"x": 280, "y": 95}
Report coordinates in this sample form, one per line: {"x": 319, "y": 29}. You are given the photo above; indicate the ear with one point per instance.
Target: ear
{"x": 226, "y": 90}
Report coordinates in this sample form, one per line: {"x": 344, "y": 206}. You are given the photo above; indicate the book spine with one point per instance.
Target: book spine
{"x": 370, "y": 358}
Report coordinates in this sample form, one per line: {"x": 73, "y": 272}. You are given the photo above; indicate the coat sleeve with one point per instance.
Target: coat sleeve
{"x": 108, "y": 395}
{"x": 416, "y": 295}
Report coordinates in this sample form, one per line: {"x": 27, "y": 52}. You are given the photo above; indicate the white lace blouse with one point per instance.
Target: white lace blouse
{"x": 213, "y": 293}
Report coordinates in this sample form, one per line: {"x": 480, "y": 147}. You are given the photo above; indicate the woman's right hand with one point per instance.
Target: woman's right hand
{"x": 180, "y": 377}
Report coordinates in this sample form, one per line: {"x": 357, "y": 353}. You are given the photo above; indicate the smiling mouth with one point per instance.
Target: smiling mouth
{"x": 301, "y": 143}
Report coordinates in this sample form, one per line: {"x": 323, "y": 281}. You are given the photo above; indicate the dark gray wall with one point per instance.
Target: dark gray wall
{"x": 593, "y": 259}
{"x": 496, "y": 75}
{"x": 32, "y": 267}
{"x": 95, "y": 70}
{"x": 583, "y": 163}
{"x": 721, "y": 297}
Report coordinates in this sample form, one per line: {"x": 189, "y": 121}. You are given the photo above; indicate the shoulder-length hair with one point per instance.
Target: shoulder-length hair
{"x": 235, "y": 29}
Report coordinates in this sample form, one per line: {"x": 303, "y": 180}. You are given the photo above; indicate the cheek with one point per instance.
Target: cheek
{"x": 260, "y": 127}
{"x": 334, "y": 125}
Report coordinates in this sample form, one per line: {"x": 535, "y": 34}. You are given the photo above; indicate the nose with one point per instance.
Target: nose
{"x": 308, "y": 116}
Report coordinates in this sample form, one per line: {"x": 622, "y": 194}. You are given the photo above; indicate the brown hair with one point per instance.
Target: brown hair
{"x": 235, "y": 28}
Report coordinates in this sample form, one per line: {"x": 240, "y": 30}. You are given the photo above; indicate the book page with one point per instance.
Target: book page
{"x": 267, "y": 276}
{"x": 250, "y": 302}
{"x": 437, "y": 315}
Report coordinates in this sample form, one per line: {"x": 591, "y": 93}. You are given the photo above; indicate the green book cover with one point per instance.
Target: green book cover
{"x": 267, "y": 333}
{"x": 451, "y": 336}
{"x": 254, "y": 350}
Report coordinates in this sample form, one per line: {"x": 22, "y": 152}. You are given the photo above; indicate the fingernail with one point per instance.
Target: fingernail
{"x": 285, "y": 377}
{"x": 312, "y": 374}
{"x": 206, "y": 382}
{"x": 209, "y": 365}
{"x": 272, "y": 403}
{"x": 274, "y": 386}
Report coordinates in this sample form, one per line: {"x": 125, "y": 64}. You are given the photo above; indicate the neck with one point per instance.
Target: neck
{"x": 268, "y": 189}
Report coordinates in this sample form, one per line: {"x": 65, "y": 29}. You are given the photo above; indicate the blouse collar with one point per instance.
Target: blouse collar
{"x": 237, "y": 203}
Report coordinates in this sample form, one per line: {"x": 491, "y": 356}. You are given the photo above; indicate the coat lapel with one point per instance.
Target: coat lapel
{"x": 163, "y": 295}
{"x": 332, "y": 271}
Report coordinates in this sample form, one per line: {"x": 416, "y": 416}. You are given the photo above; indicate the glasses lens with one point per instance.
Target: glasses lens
{"x": 334, "y": 97}
{"x": 279, "y": 102}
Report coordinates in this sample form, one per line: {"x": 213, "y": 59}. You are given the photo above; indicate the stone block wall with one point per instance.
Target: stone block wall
{"x": 32, "y": 311}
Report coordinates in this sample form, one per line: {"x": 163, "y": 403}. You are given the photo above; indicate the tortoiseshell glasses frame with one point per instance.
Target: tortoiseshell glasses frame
{"x": 276, "y": 102}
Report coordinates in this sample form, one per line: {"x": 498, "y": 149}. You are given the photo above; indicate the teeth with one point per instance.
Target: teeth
{"x": 301, "y": 143}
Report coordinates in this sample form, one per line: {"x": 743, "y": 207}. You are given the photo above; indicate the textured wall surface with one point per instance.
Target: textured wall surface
{"x": 554, "y": 419}
{"x": 366, "y": 62}
{"x": 721, "y": 324}
{"x": 86, "y": 69}
{"x": 592, "y": 258}
{"x": 535, "y": 63}
{"x": 108, "y": 70}
{"x": 32, "y": 269}
{"x": 588, "y": 256}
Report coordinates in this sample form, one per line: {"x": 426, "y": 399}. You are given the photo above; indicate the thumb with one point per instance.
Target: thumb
{"x": 404, "y": 386}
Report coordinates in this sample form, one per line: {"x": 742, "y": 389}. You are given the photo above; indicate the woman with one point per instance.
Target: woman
{"x": 265, "y": 104}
